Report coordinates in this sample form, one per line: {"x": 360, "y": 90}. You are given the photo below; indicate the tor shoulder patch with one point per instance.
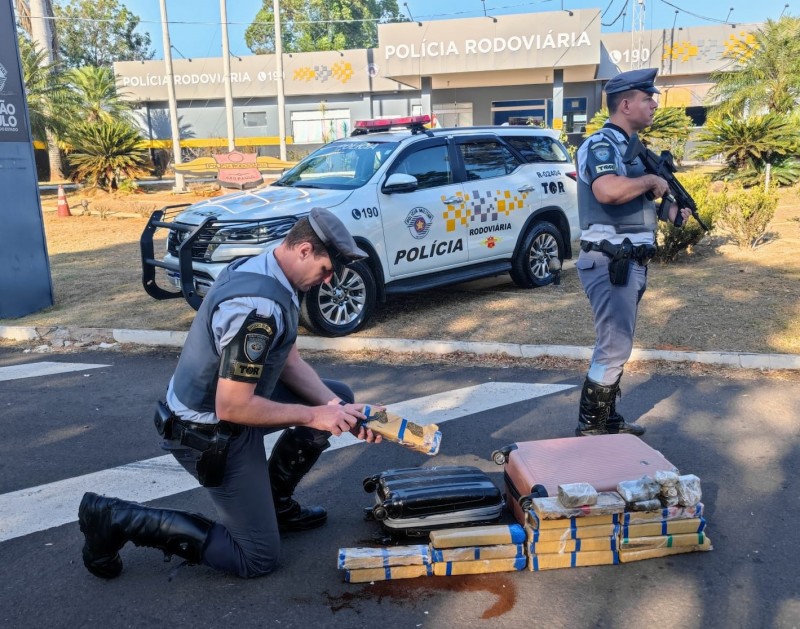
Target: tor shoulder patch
{"x": 244, "y": 357}
{"x": 602, "y": 151}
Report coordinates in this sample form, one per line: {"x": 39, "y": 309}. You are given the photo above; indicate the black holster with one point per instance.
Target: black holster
{"x": 212, "y": 441}
{"x": 619, "y": 265}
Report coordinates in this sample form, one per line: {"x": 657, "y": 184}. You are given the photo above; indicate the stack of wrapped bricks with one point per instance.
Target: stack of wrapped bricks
{"x": 643, "y": 519}
{"x": 580, "y": 527}
{"x": 472, "y": 550}
{"x": 664, "y": 516}
{"x": 478, "y": 550}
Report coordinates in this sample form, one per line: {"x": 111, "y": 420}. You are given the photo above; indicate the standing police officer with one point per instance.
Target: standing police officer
{"x": 239, "y": 378}
{"x": 618, "y": 218}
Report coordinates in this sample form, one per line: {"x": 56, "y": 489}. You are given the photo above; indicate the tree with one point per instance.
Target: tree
{"x": 47, "y": 96}
{"x": 107, "y": 151}
{"x": 308, "y": 25}
{"x": 748, "y": 144}
{"x": 95, "y": 91}
{"x": 764, "y": 75}
{"x": 99, "y": 32}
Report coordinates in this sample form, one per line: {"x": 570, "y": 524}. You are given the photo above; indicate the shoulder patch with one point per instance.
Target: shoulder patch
{"x": 244, "y": 357}
{"x": 602, "y": 151}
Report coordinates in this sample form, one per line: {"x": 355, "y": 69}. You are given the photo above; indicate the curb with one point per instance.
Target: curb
{"x": 62, "y": 336}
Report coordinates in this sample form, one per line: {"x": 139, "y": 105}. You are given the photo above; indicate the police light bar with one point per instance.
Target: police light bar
{"x": 384, "y": 124}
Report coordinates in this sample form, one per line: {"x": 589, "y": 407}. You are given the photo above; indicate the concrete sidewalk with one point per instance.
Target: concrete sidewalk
{"x": 71, "y": 336}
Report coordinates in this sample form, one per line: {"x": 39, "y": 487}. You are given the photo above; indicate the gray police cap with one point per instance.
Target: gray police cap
{"x": 334, "y": 235}
{"x": 642, "y": 80}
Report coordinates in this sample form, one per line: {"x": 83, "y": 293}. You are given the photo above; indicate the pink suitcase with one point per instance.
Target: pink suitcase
{"x": 536, "y": 468}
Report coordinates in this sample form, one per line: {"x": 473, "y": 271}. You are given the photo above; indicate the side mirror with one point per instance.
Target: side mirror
{"x": 399, "y": 182}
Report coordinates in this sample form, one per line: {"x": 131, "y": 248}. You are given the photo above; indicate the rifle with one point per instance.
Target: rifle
{"x": 663, "y": 167}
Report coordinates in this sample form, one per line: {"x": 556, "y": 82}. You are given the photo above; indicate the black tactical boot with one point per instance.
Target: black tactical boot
{"x": 598, "y": 415}
{"x": 108, "y": 523}
{"x": 616, "y": 423}
{"x": 291, "y": 459}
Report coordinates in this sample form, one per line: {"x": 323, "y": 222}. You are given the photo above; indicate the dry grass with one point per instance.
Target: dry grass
{"x": 716, "y": 298}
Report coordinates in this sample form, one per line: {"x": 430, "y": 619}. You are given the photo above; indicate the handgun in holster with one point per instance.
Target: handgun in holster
{"x": 619, "y": 264}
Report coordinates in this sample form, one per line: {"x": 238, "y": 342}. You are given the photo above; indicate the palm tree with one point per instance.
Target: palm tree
{"x": 748, "y": 144}
{"x": 763, "y": 73}
{"x": 48, "y": 98}
{"x": 106, "y": 151}
{"x": 97, "y": 96}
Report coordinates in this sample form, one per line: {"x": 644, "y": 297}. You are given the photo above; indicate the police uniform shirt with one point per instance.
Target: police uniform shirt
{"x": 598, "y": 161}
{"x": 228, "y": 320}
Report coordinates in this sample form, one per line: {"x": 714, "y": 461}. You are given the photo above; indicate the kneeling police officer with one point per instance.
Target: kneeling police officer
{"x": 240, "y": 377}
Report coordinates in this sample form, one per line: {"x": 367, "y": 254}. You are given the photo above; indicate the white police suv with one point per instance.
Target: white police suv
{"x": 431, "y": 207}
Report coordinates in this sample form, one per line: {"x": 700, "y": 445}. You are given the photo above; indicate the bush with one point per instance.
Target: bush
{"x": 672, "y": 240}
{"x": 746, "y": 215}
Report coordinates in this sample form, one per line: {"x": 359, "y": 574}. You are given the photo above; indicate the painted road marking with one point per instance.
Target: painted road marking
{"x": 34, "y": 370}
{"x": 39, "y": 508}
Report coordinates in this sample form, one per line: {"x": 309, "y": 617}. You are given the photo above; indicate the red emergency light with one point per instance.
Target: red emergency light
{"x": 384, "y": 124}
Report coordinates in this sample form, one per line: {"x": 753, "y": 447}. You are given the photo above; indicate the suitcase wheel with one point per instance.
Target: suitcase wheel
{"x": 538, "y": 491}
{"x": 379, "y": 512}
{"x": 500, "y": 457}
{"x": 370, "y": 484}
{"x": 526, "y": 502}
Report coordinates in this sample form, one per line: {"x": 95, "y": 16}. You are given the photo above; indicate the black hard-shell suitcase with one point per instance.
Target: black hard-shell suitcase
{"x": 414, "y": 501}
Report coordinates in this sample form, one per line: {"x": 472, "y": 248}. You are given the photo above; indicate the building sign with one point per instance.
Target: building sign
{"x": 534, "y": 40}
{"x": 12, "y": 103}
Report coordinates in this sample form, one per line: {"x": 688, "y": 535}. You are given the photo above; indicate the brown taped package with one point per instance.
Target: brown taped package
{"x": 574, "y": 545}
{"x": 473, "y": 553}
{"x": 425, "y": 439}
{"x": 550, "y": 508}
{"x": 664, "y": 527}
{"x": 626, "y": 556}
{"x": 662, "y": 541}
{"x": 361, "y": 558}
{"x": 574, "y": 532}
{"x": 481, "y": 566}
{"x": 365, "y": 575}
{"x": 573, "y": 560}
{"x": 665, "y": 513}
{"x": 478, "y": 536}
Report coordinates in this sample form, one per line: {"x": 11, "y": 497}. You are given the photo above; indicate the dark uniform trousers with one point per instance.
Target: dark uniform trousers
{"x": 244, "y": 539}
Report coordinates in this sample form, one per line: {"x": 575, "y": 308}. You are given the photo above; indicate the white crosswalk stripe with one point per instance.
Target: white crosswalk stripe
{"x": 34, "y": 370}
{"x": 39, "y": 508}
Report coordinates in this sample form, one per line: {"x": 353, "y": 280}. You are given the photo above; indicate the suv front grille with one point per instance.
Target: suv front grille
{"x": 217, "y": 233}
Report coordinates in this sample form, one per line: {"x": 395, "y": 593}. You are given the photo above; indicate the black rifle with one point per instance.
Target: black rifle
{"x": 663, "y": 167}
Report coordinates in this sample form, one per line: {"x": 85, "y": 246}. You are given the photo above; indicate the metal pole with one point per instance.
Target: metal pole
{"x": 173, "y": 105}
{"x": 276, "y": 9}
{"x": 226, "y": 65}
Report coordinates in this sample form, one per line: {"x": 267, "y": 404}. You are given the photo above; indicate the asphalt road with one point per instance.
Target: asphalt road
{"x": 739, "y": 436}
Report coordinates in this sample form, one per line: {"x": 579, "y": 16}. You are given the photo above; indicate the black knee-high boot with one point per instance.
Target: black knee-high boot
{"x": 109, "y": 523}
{"x": 291, "y": 459}
{"x": 598, "y": 414}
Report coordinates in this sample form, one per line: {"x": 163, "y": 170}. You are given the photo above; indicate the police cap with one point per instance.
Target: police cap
{"x": 642, "y": 80}
{"x": 341, "y": 247}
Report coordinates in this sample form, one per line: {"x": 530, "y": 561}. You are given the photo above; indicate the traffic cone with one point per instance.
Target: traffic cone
{"x": 63, "y": 206}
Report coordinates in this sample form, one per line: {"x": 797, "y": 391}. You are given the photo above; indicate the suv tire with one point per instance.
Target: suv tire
{"x": 530, "y": 266}
{"x": 342, "y": 306}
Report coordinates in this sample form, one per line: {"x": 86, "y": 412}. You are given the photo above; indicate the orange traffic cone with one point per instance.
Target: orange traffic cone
{"x": 63, "y": 206}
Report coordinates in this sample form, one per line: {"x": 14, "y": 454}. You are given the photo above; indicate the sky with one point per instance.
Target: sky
{"x": 195, "y": 31}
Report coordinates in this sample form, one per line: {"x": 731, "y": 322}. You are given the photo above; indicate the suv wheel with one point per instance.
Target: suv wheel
{"x": 531, "y": 264}
{"x": 342, "y": 306}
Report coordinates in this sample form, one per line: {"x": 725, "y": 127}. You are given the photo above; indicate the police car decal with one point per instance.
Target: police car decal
{"x": 429, "y": 251}
{"x": 553, "y": 187}
{"x": 484, "y": 207}
{"x": 367, "y": 212}
{"x": 419, "y": 221}
{"x": 491, "y": 242}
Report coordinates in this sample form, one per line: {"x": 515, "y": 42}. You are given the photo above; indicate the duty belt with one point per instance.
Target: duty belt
{"x": 641, "y": 254}
{"x": 191, "y": 434}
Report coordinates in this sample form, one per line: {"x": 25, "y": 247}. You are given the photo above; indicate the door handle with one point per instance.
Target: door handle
{"x": 526, "y": 188}
{"x": 453, "y": 200}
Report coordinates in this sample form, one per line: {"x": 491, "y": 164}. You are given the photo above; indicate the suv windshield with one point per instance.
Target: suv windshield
{"x": 344, "y": 165}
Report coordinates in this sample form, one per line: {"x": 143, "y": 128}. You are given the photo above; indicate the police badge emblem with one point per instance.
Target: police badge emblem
{"x": 602, "y": 151}
{"x": 255, "y": 346}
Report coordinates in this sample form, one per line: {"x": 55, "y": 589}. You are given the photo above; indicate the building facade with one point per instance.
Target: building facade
{"x": 544, "y": 68}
